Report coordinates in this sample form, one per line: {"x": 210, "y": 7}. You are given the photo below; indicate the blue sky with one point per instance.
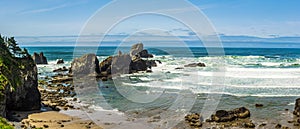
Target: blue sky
{"x": 259, "y": 18}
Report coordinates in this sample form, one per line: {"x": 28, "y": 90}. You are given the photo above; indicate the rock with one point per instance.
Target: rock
{"x": 120, "y": 64}
{"x": 145, "y": 54}
{"x": 259, "y": 105}
{"x": 85, "y": 66}
{"x": 194, "y": 120}
{"x": 135, "y": 49}
{"x": 195, "y": 65}
{"x": 179, "y": 68}
{"x": 46, "y": 126}
{"x": 60, "y": 61}
{"x": 61, "y": 69}
{"x": 249, "y": 125}
{"x": 39, "y": 58}
{"x": 61, "y": 79}
{"x": 278, "y": 126}
{"x": 226, "y": 116}
{"x": 126, "y": 63}
{"x": 138, "y": 65}
{"x": 297, "y": 108}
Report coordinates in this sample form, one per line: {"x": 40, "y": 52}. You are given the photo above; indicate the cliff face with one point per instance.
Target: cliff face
{"x": 18, "y": 82}
{"x": 26, "y": 96}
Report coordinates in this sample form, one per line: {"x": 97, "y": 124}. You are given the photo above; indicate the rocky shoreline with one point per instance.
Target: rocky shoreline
{"x": 58, "y": 93}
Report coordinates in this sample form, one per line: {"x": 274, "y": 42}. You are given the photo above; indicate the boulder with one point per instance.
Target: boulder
{"x": 85, "y": 66}
{"x": 39, "y": 58}
{"x": 145, "y": 54}
{"x": 61, "y": 69}
{"x": 138, "y": 65}
{"x": 136, "y": 48}
{"x": 195, "y": 65}
{"x": 194, "y": 120}
{"x": 297, "y": 108}
{"x": 227, "y": 116}
{"x": 60, "y": 61}
{"x": 121, "y": 64}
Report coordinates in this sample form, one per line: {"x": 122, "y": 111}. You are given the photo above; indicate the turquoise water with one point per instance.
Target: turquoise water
{"x": 251, "y": 75}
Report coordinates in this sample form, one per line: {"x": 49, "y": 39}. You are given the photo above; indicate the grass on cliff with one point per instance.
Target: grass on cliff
{"x": 4, "y": 124}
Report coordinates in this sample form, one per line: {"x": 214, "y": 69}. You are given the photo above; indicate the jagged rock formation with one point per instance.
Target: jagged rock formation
{"x": 127, "y": 63}
{"x": 114, "y": 65}
{"x": 39, "y": 58}
{"x": 18, "y": 80}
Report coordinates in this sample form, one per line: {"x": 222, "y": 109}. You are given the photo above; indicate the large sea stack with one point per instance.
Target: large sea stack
{"x": 39, "y": 58}
{"x": 18, "y": 80}
{"x": 127, "y": 63}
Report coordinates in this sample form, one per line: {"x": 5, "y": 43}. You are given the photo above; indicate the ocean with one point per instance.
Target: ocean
{"x": 268, "y": 76}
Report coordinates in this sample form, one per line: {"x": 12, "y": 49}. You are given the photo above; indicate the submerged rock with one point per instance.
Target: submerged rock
{"x": 195, "y": 65}
{"x": 259, "y": 105}
{"x": 226, "y": 116}
{"x": 39, "y": 58}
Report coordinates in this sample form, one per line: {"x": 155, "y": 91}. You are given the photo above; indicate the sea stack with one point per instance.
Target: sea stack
{"x": 39, "y": 58}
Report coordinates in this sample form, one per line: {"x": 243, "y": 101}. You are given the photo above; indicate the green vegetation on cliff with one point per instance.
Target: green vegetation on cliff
{"x": 10, "y": 53}
{"x": 4, "y": 124}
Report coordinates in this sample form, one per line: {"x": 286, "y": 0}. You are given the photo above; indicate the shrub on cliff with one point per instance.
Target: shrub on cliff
{"x": 8, "y": 64}
{"x": 4, "y": 124}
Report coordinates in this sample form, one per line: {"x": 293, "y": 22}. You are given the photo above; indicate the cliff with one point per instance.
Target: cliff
{"x": 18, "y": 78}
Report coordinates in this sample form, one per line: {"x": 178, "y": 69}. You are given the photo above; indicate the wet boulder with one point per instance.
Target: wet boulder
{"x": 227, "y": 116}
{"x": 297, "y": 108}
{"x": 194, "y": 120}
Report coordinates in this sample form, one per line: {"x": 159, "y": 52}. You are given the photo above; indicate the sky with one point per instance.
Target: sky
{"x": 34, "y": 21}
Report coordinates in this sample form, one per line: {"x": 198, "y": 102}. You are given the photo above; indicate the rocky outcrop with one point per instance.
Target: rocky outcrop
{"x": 18, "y": 81}
{"x": 88, "y": 65}
{"x": 227, "y": 116}
{"x": 297, "y": 108}
{"x": 127, "y": 63}
{"x": 195, "y": 65}
{"x": 60, "y": 61}
{"x": 39, "y": 58}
